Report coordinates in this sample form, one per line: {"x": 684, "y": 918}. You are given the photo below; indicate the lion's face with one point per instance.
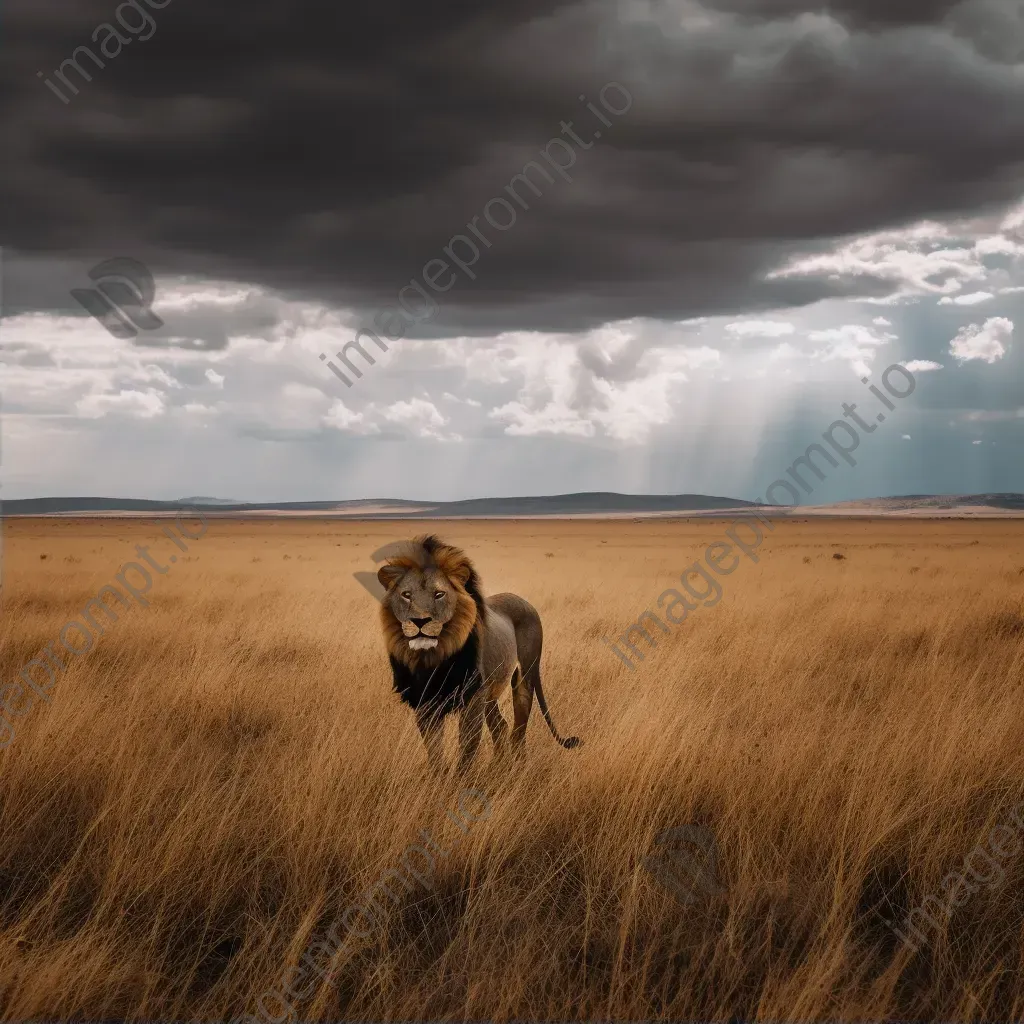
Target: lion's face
{"x": 423, "y": 601}
{"x": 432, "y": 603}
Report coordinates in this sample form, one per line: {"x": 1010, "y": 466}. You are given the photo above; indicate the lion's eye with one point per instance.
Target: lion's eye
{"x": 407, "y": 594}
{"x": 438, "y": 595}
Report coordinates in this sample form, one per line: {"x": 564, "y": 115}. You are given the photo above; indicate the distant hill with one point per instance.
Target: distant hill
{"x": 56, "y": 506}
{"x": 589, "y": 503}
{"x": 924, "y": 503}
{"x": 210, "y": 501}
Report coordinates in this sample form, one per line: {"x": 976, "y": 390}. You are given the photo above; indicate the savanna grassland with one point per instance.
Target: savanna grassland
{"x": 222, "y": 775}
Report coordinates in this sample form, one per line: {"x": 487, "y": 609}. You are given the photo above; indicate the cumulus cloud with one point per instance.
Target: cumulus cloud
{"x": 419, "y": 416}
{"x": 926, "y": 259}
{"x": 341, "y": 417}
{"x": 852, "y": 342}
{"x": 922, "y": 366}
{"x": 138, "y": 404}
{"x": 987, "y": 342}
{"x": 552, "y": 418}
{"x": 215, "y": 378}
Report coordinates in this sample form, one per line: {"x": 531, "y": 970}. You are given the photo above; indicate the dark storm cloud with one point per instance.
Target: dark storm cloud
{"x": 332, "y": 150}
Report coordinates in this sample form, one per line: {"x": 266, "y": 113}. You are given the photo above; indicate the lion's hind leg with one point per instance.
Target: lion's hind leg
{"x": 522, "y": 705}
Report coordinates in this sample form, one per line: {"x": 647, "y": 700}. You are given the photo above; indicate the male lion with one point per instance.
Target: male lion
{"x": 452, "y": 650}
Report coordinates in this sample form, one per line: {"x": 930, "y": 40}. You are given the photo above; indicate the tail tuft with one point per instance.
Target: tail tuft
{"x": 569, "y": 742}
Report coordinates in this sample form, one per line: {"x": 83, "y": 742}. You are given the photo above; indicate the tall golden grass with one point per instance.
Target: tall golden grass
{"x": 227, "y": 771}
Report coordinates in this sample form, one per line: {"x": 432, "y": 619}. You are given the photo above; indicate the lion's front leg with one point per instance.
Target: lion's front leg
{"x": 471, "y": 723}
{"x": 431, "y": 727}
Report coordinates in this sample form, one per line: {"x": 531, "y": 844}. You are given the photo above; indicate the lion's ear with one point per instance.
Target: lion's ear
{"x": 460, "y": 571}
{"x": 389, "y": 575}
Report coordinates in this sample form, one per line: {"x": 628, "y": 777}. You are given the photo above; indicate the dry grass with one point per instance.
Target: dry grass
{"x": 226, "y": 772}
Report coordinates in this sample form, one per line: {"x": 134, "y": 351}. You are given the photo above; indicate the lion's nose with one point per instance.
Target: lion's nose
{"x": 420, "y": 623}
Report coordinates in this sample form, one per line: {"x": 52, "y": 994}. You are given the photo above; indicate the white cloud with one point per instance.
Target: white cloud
{"x": 906, "y": 437}
{"x": 1013, "y": 219}
{"x": 971, "y": 299}
{"x": 194, "y": 294}
{"x": 472, "y": 402}
{"x": 418, "y": 415}
{"x": 760, "y": 329}
{"x": 631, "y": 409}
{"x": 293, "y": 408}
{"x": 302, "y": 392}
{"x": 784, "y": 351}
{"x": 976, "y": 442}
{"x": 917, "y": 260}
{"x": 678, "y": 360}
{"x": 852, "y": 342}
{"x": 150, "y": 373}
{"x": 552, "y": 418}
{"x": 988, "y": 341}
{"x": 139, "y": 404}
{"x": 994, "y": 415}
{"x": 927, "y": 258}
{"x": 617, "y": 381}
{"x": 548, "y": 401}
{"x": 341, "y": 417}
{"x": 634, "y": 382}
{"x": 995, "y": 245}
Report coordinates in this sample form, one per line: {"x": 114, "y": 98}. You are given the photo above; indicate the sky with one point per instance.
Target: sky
{"x": 649, "y": 246}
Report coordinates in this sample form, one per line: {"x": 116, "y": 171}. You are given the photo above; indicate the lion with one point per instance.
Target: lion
{"x": 452, "y": 650}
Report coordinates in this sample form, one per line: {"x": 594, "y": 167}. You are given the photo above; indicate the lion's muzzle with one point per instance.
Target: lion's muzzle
{"x": 428, "y": 628}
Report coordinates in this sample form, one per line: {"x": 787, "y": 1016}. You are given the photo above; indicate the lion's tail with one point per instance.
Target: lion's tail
{"x": 569, "y": 742}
